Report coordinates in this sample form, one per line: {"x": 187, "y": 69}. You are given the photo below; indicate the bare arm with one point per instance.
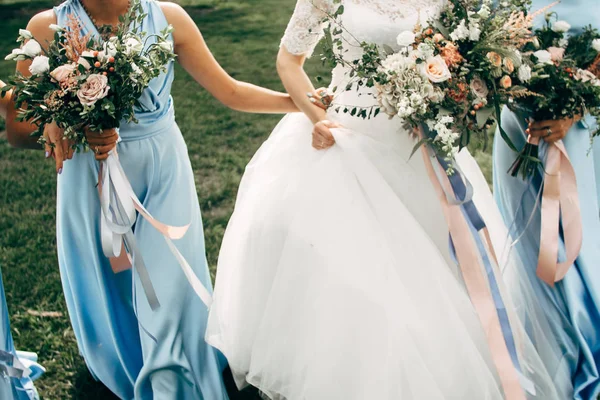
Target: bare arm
{"x": 297, "y": 83}
{"x": 196, "y": 58}
{"x": 18, "y": 133}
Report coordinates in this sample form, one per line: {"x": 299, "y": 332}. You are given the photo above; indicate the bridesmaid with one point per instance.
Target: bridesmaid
{"x": 102, "y": 307}
{"x": 572, "y": 307}
{"x": 13, "y": 388}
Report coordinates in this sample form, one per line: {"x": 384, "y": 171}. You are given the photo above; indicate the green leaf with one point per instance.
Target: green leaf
{"x": 418, "y": 146}
{"x": 483, "y": 115}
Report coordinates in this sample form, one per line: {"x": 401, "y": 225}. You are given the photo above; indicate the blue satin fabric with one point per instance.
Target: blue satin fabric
{"x": 572, "y": 307}
{"x": 14, "y": 388}
{"x": 102, "y": 305}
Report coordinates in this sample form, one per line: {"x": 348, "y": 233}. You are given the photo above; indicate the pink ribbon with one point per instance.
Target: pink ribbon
{"x": 481, "y": 297}
{"x": 560, "y": 203}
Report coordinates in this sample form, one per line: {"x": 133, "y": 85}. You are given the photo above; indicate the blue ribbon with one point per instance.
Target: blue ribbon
{"x": 476, "y": 224}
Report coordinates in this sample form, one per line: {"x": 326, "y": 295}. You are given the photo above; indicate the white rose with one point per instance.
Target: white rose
{"x": 32, "y": 48}
{"x": 55, "y": 28}
{"x": 584, "y": 76}
{"x": 166, "y": 46}
{"x": 543, "y": 57}
{"x": 524, "y": 73}
{"x": 39, "y": 65}
{"x": 596, "y": 45}
{"x": 16, "y": 54}
{"x": 132, "y": 46}
{"x": 82, "y": 61}
{"x": 484, "y": 12}
{"x": 435, "y": 69}
{"x": 25, "y": 34}
{"x": 405, "y": 39}
{"x": 110, "y": 50}
{"x": 561, "y": 26}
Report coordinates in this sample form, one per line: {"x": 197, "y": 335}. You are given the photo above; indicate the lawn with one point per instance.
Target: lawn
{"x": 244, "y": 36}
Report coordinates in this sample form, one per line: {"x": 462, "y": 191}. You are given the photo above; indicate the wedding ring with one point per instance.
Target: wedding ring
{"x": 548, "y": 132}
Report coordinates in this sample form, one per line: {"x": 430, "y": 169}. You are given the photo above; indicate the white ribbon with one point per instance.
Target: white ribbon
{"x": 119, "y": 205}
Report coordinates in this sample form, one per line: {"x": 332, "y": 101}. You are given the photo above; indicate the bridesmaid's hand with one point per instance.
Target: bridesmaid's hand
{"x": 101, "y": 143}
{"x": 57, "y": 146}
{"x": 321, "y": 98}
{"x": 322, "y": 138}
{"x": 551, "y": 130}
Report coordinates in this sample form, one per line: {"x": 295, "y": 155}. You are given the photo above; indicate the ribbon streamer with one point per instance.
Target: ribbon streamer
{"x": 12, "y": 367}
{"x": 467, "y": 254}
{"x": 560, "y": 204}
{"x": 119, "y": 205}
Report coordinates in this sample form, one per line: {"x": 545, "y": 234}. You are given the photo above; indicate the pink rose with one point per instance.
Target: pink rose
{"x": 95, "y": 88}
{"x": 63, "y": 73}
{"x": 435, "y": 69}
{"x": 556, "y": 53}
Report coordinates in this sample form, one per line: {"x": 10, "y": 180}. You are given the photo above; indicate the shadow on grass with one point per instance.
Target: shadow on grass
{"x": 86, "y": 388}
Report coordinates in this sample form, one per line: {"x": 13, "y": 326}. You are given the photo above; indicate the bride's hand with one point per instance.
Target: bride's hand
{"x": 321, "y": 98}
{"x": 57, "y": 146}
{"x": 322, "y": 138}
{"x": 551, "y": 130}
{"x": 101, "y": 143}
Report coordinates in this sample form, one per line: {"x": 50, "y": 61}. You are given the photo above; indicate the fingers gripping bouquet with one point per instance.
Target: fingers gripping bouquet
{"x": 450, "y": 77}
{"x": 564, "y": 83}
{"x": 81, "y": 83}
{"x": 87, "y": 86}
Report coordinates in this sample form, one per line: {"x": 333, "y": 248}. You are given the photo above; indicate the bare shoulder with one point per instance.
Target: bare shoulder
{"x": 39, "y": 26}
{"x": 183, "y": 25}
{"x": 173, "y": 12}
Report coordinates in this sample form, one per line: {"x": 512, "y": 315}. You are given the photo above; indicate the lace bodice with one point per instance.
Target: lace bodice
{"x": 375, "y": 21}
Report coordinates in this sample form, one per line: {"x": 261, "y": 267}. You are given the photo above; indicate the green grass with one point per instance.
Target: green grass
{"x": 244, "y": 36}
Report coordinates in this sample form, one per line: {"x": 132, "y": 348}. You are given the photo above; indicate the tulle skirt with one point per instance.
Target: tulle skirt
{"x": 335, "y": 280}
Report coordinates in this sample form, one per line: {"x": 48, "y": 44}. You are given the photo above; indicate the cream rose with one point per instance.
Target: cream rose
{"x": 495, "y": 58}
{"x": 509, "y": 65}
{"x": 62, "y": 73}
{"x": 95, "y": 88}
{"x": 524, "y": 73}
{"x": 435, "y": 69}
{"x": 561, "y": 26}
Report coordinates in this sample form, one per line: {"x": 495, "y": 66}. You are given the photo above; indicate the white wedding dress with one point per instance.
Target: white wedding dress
{"x": 335, "y": 280}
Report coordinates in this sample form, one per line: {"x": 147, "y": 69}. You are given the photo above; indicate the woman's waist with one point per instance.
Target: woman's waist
{"x": 148, "y": 124}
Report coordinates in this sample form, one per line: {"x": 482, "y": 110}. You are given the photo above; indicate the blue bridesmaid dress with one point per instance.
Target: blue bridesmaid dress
{"x": 103, "y": 305}
{"x": 572, "y": 307}
{"x": 15, "y": 388}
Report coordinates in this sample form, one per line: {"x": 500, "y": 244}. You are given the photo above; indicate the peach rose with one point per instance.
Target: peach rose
{"x": 494, "y": 58}
{"x": 95, "y": 88}
{"x": 505, "y": 82}
{"x": 63, "y": 73}
{"x": 435, "y": 69}
{"x": 438, "y": 37}
{"x": 509, "y": 66}
{"x": 556, "y": 53}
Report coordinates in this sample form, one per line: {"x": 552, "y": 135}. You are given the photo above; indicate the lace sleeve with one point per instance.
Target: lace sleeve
{"x": 305, "y": 29}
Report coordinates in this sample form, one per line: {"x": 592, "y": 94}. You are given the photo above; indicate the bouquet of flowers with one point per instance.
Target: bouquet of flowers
{"x": 564, "y": 81}
{"x": 81, "y": 83}
{"x": 450, "y": 77}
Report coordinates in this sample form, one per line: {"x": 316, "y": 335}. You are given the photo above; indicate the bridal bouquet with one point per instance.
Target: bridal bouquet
{"x": 80, "y": 83}
{"x": 564, "y": 83}
{"x": 450, "y": 77}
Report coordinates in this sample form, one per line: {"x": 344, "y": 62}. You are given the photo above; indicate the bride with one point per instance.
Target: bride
{"x": 335, "y": 278}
